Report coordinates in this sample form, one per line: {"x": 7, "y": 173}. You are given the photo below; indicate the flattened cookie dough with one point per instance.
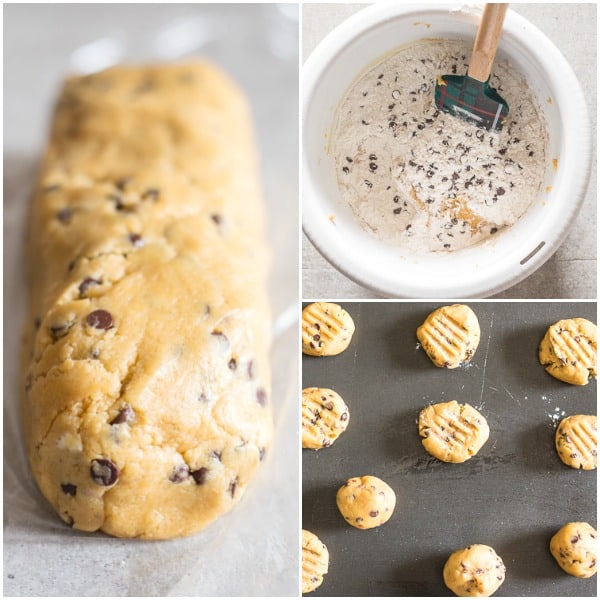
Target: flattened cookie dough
{"x": 450, "y": 335}
{"x": 577, "y": 441}
{"x": 325, "y": 417}
{"x": 474, "y": 571}
{"x": 568, "y": 351}
{"x": 315, "y": 561}
{"x": 452, "y": 432}
{"x": 366, "y": 502}
{"x": 575, "y": 548}
{"x": 326, "y": 329}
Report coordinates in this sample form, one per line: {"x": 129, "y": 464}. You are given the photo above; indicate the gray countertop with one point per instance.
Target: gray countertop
{"x": 513, "y": 495}
{"x": 572, "y": 270}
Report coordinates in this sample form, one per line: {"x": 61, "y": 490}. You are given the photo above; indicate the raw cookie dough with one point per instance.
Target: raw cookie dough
{"x": 326, "y": 329}
{"x": 325, "y": 417}
{"x": 315, "y": 561}
{"x": 568, "y": 351}
{"x": 450, "y": 335}
{"x": 575, "y": 548}
{"x": 147, "y": 403}
{"x": 577, "y": 441}
{"x": 452, "y": 432}
{"x": 474, "y": 571}
{"x": 366, "y": 502}
{"x": 427, "y": 181}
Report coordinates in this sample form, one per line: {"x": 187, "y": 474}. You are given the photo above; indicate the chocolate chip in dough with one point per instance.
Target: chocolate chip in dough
{"x": 64, "y": 215}
{"x": 232, "y": 364}
{"x": 261, "y": 396}
{"x": 199, "y": 475}
{"x": 233, "y": 486}
{"x": 261, "y": 453}
{"x": 136, "y": 240}
{"x": 58, "y": 330}
{"x": 179, "y": 474}
{"x": 151, "y": 194}
{"x": 125, "y": 415}
{"x": 69, "y": 489}
{"x": 86, "y": 284}
{"x": 104, "y": 472}
{"x": 100, "y": 319}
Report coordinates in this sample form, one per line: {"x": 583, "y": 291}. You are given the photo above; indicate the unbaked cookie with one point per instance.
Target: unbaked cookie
{"x": 315, "y": 561}
{"x": 474, "y": 571}
{"x": 450, "y": 335}
{"x": 325, "y": 417}
{"x": 366, "y": 502}
{"x": 452, "y": 432}
{"x": 575, "y": 549}
{"x": 326, "y": 329}
{"x": 577, "y": 441}
{"x": 568, "y": 350}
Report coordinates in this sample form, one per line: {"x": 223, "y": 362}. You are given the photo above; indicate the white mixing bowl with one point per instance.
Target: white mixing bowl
{"x": 486, "y": 268}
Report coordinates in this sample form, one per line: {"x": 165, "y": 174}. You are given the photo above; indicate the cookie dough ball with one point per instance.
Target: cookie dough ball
{"x": 326, "y": 329}
{"x": 325, "y": 417}
{"x": 366, "y": 502}
{"x": 450, "y": 335}
{"x": 474, "y": 571}
{"x": 574, "y": 547}
{"x": 315, "y": 561}
{"x": 452, "y": 432}
{"x": 568, "y": 351}
{"x": 577, "y": 441}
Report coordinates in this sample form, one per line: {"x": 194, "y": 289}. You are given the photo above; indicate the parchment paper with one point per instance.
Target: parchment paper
{"x": 254, "y": 549}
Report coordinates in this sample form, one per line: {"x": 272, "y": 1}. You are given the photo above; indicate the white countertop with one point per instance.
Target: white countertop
{"x": 572, "y": 270}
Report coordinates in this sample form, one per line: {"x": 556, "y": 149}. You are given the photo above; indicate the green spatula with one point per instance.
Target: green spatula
{"x": 470, "y": 97}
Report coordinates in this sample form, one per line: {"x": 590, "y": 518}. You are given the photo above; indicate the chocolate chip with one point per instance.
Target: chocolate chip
{"x": 316, "y": 337}
{"x": 104, "y": 471}
{"x": 59, "y": 330}
{"x": 126, "y": 415}
{"x": 121, "y": 184}
{"x": 374, "y": 513}
{"x": 179, "y": 473}
{"x": 261, "y": 396}
{"x": 328, "y": 405}
{"x": 493, "y": 230}
{"x": 69, "y": 489}
{"x": 100, "y": 319}
{"x": 261, "y": 453}
{"x": 36, "y": 323}
{"x": 232, "y": 364}
{"x": 251, "y": 369}
{"x": 87, "y": 283}
{"x": 344, "y": 416}
{"x": 217, "y": 219}
{"x": 64, "y": 215}
{"x": 95, "y": 353}
{"x": 232, "y": 486}
{"x": 203, "y": 397}
{"x": 217, "y": 454}
{"x": 136, "y": 240}
{"x": 220, "y": 335}
{"x": 346, "y": 170}
{"x": 500, "y": 191}
{"x": 151, "y": 194}
{"x": 118, "y": 200}
{"x": 199, "y": 475}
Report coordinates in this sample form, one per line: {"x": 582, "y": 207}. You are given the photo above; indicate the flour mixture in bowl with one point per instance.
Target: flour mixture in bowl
{"x": 419, "y": 178}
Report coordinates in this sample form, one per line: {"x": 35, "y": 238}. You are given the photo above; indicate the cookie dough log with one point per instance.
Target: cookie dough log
{"x": 147, "y": 386}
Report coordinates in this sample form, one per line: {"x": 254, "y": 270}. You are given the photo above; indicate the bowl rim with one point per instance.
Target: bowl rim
{"x": 543, "y": 50}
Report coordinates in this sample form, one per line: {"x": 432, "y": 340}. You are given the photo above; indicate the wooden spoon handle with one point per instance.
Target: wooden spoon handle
{"x": 486, "y": 42}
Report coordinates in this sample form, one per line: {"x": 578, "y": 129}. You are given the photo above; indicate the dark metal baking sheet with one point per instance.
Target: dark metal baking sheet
{"x": 512, "y": 496}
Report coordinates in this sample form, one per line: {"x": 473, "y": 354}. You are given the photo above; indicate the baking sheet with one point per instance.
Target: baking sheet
{"x": 258, "y": 45}
{"x": 513, "y": 495}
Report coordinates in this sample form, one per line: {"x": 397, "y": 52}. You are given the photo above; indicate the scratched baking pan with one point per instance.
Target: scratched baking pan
{"x": 512, "y": 496}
